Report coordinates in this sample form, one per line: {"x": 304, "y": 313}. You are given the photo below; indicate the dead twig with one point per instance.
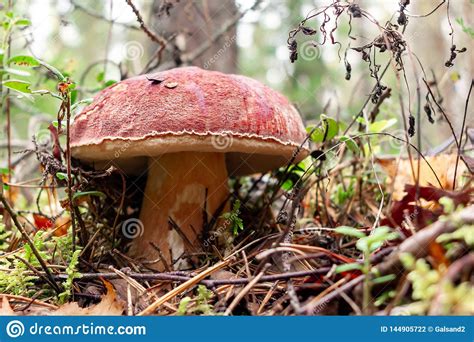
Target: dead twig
{"x": 25, "y": 235}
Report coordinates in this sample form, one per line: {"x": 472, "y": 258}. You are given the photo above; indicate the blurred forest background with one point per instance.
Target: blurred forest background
{"x": 98, "y": 42}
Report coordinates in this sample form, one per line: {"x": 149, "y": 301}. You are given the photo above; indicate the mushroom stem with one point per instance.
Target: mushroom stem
{"x": 179, "y": 187}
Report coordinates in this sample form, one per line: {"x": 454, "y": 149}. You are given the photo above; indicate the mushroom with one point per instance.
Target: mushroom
{"x": 189, "y": 129}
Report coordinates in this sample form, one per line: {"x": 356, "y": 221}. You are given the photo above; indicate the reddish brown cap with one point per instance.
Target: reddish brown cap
{"x": 190, "y": 109}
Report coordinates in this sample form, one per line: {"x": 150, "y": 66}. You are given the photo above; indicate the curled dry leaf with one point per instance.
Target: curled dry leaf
{"x": 400, "y": 173}
{"x": 421, "y": 216}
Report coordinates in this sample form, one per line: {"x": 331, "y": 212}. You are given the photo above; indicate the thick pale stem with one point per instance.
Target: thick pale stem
{"x": 176, "y": 188}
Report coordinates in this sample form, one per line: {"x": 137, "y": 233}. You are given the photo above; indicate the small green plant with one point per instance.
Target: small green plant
{"x": 201, "y": 306}
{"x": 4, "y": 235}
{"x": 72, "y": 274}
{"x": 17, "y": 278}
{"x": 428, "y": 283}
{"x": 342, "y": 194}
{"x": 233, "y": 219}
{"x": 367, "y": 245}
{"x": 464, "y": 233}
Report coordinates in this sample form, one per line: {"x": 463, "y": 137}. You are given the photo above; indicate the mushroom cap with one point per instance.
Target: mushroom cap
{"x": 190, "y": 109}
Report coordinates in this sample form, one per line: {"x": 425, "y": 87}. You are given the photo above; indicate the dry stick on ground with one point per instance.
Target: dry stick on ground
{"x": 29, "y": 301}
{"x": 245, "y": 290}
{"x": 173, "y": 277}
{"x": 35, "y": 271}
{"x": 418, "y": 244}
{"x": 25, "y": 235}
{"x": 336, "y": 293}
{"x": 183, "y": 287}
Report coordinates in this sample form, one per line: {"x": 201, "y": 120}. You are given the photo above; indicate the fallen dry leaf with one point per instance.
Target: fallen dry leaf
{"x": 108, "y": 306}
{"x": 6, "y": 309}
{"x": 400, "y": 173}
{"x": 42, "y": 222}
{"x": 421, "y": 216}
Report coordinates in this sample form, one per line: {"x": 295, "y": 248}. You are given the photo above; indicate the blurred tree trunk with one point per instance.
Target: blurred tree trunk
{"x": 195, "y": 22}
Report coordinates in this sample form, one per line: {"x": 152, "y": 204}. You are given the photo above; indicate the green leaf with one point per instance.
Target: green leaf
{"x": 376, "y": 239}
{"x": 362, "y": 245}
{"x": 407, "y": 260}
{"x": 84, "y": 101}
{"x": 383, "y": 279}
{"x": 55, "y": 123}
{"x": 381, "y": 125}
{"x": 18, "y": 85}
{"x": 61, "y": 175}
{"x": 88, "y": 193}
{"x": 350, "y": 143}
{"x": 73, "y": 96}
{"x": 55, "y": 71}
{"x": 287, "y": 185}
{"x": 183, "y": 306}
{"x": 100, "y": 76}
{"x": 348, "y": 267}
{"x": 4, "y": 171}
{"x": 350, "y": 231}
{"x": 24, "y": 61}
{"x": 109, "y": 83}
{"x": 22, "y": 22}
{"x": 328, "y": 129}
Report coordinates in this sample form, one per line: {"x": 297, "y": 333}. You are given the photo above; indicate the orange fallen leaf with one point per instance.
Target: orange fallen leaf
{"x": 61, "y": 225}
{"x": 109, "y": 305}
{"x": 400, "y": 172}
{"x": 6, "y": 309}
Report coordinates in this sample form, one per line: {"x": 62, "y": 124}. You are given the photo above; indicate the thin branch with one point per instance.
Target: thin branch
{"x": 153, "y": 36}
{"x": 25, "y": 235}
{"x": 172, "y": 277}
